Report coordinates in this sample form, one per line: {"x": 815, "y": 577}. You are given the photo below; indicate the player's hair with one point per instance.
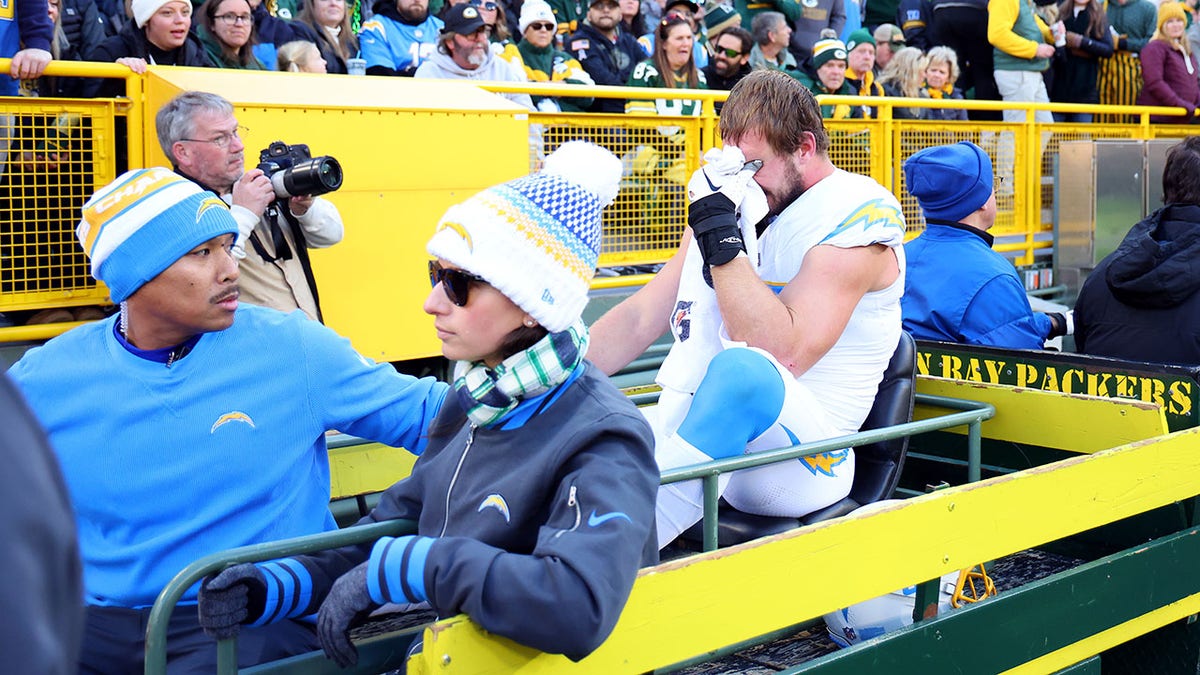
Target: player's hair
{"x": 777, "y": 106}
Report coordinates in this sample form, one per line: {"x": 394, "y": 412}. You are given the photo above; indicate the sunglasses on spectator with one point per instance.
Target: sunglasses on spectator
{"x": 484, "y": 4}
{"x": 456, "y": 283}
{"x": 542, "y": 26}
{"x": 729, "y": 53}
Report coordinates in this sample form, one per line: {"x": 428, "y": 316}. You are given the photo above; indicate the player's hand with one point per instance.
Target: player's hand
{"x": 725, "y": 170}
{"x": 253, "y": 191}
{"x": 1045, "y": 51}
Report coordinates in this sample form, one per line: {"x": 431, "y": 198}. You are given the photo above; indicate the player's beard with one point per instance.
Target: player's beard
{"x": 477, "y": 58}
{"x": 791, "y": 190}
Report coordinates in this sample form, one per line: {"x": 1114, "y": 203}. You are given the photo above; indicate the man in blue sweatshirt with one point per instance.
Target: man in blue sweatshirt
{"x": 958, "y": 289}
{"x": 187, "y": 424}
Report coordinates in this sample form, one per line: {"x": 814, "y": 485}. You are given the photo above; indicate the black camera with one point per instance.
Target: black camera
{"x": 294, "y": 171}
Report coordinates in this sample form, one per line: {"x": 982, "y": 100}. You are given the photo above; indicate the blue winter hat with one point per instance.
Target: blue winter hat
{"x": 145, "y": 220}
{"x": 950, "y": 182}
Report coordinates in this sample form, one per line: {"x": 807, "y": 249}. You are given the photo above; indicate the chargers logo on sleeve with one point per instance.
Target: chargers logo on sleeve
{"x": 873, "y": 222}
{"x": 231, "y": 416}
{"x": 494, "y": 501}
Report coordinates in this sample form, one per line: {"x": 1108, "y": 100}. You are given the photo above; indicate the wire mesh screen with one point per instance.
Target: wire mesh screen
{"x": 50, "y": 168}
{"x": 645, "y": 222}
{"x": 1001, "y": 146}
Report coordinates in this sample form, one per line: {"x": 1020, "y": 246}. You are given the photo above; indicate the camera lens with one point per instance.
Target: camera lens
{"x": 316, "y": 176}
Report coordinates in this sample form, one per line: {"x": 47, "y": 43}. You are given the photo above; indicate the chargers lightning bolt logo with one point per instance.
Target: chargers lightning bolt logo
{"x": 231, "y": 416}
{"x": 494, "y": 501}
{"x": 822, "y": 464}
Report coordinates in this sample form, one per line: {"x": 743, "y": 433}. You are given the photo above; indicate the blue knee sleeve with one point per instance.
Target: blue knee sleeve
{"x": 739, "y": 398}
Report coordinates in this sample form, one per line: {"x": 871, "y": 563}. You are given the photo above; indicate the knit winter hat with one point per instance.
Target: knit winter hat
{"x": 950, "y": 182}
{"x": 1170, "y": 10}
{"x": 145, "y": 220}
{"x": 533, "y": 11}
{"x": 721, "y": 17}
{"x": 858, "y": 37}
{"x": 827, "y": 50}
{"x": 536, "y": 238}
{"x": 144, "y": 9}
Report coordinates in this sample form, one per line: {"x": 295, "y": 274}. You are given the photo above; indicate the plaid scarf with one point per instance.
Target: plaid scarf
{"x": 489, "y": 394}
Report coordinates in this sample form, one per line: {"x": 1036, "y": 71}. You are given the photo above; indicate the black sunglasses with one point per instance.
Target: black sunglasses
{"x": 456, "y": 283}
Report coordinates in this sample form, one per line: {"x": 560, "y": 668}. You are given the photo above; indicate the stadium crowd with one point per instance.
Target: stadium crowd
{"x": 1069, "y": 51}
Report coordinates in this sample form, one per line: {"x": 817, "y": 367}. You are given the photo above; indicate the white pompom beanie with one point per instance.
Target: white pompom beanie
{"x": 537, "y": 238}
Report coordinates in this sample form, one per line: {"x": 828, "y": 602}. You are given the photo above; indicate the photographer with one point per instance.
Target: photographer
{"x": 199, "y": 133}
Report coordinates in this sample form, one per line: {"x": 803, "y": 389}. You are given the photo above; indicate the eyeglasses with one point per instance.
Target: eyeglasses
{"x": 221, "y": 141}
{"x": 484, "y": 4}
{"x": 542, "y": 26}
{"x": 729, "y": 53}
{"x": 234, "y": 19}
{"x": 456, "y": 283}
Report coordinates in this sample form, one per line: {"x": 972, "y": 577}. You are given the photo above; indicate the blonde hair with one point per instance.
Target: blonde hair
{"x": 294, "y": 55}
{"x": 1169, "y": 9}
{"x": 905, "y": 72}
{"x": 946, "y": 55}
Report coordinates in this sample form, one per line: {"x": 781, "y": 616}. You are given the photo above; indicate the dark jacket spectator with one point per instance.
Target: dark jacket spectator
{"x": 78, "y": 29}
{"x": 277, "y": 31}
{"x": 1141, "y": 302}
{"x": 1077, "y": 65}
{"x": 605, "y": 52}
{"x": 83, "y": 27}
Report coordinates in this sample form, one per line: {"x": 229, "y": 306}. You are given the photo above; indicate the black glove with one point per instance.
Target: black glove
{"x": 1061, "y": 324}
{"x": 346, "y": 605}
{"x": 713, "y": 220}
{"x": 230, "y": 599}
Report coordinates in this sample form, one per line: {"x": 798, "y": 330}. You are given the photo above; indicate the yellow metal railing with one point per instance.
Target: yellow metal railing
{"x": 60, "y": 150}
